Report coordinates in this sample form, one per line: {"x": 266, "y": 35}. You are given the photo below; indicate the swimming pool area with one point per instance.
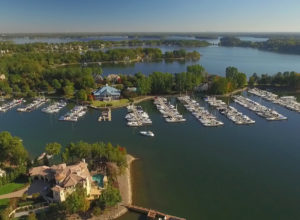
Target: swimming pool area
{"x": 99, "y": 179}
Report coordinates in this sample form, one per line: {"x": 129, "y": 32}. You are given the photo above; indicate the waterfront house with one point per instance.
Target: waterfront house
{"x": 2, "y": 173}
{"x": 107, "y": 93}
{"x": 65, "y": 178}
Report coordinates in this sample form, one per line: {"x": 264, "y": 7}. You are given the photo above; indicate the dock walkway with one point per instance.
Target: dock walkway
{"x": 152, "y": 214}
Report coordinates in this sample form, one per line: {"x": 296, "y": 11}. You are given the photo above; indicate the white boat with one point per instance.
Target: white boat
{"x": 147, "y": 133}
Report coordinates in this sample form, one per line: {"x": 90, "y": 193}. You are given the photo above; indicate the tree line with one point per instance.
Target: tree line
{"x": 289, "y": 45}
{"x": 95, "y": 44}
{"x": 286, "y": 79}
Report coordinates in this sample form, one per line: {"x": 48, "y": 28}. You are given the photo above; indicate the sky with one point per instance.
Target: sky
{"x": 26, "y": 16}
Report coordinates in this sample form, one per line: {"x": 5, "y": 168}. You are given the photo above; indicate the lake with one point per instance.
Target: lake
{"x": 215, "y": 59}
{"x": 231, "y": 172}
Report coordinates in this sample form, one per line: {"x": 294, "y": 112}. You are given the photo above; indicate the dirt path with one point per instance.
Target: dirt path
{"x": 15, "y": 194}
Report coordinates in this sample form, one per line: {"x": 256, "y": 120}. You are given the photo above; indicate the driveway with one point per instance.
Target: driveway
{"x": 37, "y": 186}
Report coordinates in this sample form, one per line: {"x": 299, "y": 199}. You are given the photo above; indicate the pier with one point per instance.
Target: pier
{"x": 206, "y": 118}
{"x": 259, "y": 109}
{"x": 289, "y": 102}
{"x": 105, "y": 115}
{"x": 152, "y": 214}
{"x": 169, "y": 111}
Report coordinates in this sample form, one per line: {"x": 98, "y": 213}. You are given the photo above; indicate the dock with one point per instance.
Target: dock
{"x": 152, "y": 214}
{"x": 105, "y": 115}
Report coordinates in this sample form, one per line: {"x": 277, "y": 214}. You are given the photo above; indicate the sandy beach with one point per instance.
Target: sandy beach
{"x": 124, "y": 181}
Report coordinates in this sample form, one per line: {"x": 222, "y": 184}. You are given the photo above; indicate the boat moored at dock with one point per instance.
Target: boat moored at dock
{"x": 261, "y": 110}
{"x": 206, "y": 118}
{"x": 76, "y": 113}
{"x": 7, "y": 106}
{"x": 38, "y": 102}
{"x": 55, "y": 107}
{"x": 289, "y": 102}
{"x": 230, "y": 112}
{"x": 136, "y": 117}
{"x": 169, "y": 111}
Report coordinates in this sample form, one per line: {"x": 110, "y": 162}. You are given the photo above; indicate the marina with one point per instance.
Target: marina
{"x": 55, "y": 107}
{"x": 229, "y": 111}
{"x": 289, "y": 102}
{"x": 259, "y": 109}
{"x": 169, "y": 111}
{"x": 136, "y": 117}
{"x": 38, "y": 102}
{"x": 206, "y": 118}
{"x": 204, "y": 150}
{"x": 76, "y": 113}
{"x": 7, "y": 106}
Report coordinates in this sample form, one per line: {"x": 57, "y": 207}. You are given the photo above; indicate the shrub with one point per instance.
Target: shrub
{"x": 97, "y": 211}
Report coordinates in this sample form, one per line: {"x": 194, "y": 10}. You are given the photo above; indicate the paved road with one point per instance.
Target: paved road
{"x": 15, "y": 194}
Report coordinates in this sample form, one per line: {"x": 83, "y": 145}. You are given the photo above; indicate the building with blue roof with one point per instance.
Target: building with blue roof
{"x": 107, "y": 93}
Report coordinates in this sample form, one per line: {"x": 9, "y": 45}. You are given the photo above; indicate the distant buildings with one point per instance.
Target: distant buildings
{"x": 65, "y": 178}
{"x": 107, "y": 93}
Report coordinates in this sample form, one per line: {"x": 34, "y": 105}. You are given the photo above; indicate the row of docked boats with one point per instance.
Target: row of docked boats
{"x": 136, "y": 117}
{"x": 7, "y": 106}
{"x": 169, "y": 111}
{"x": 259, "y": 109}
{"x": 54, "y": 107}
{"x": 206, "y": 118}
{"x": 38, "y": 102}
{"x": 76, "y": 113}
{"x": 229, "y": 111}
{"x": 289, "y": 102}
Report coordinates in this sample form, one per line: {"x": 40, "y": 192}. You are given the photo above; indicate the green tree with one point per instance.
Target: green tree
{"x": 143, "y": 84}
{"x": 109, "y": 197}
{"x": 77, "y": 202}
{"x": 69, "y": 90}
{"x": 12, "y": 150}
{"x": 82, "y": 95}
{"x": 53, "y": 148}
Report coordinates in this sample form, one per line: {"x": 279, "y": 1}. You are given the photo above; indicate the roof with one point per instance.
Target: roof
{"x": 66, "y": 175}
{"x": 40, "y": 171}
{"x": 107, "y": 91}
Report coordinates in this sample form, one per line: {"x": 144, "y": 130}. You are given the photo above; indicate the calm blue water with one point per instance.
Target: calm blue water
{"x": 231, "y": 172}
{"x": 215, "y": 60}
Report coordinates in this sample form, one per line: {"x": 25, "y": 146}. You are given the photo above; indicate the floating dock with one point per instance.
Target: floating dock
{"x": 259, "y": 109}
{"x": 206, "y": 118}
{"x": 289, "y": 102}
{"x": 105, "y": 115}
{"x": 230, "y": 112}
{"x": 152, "y": 214}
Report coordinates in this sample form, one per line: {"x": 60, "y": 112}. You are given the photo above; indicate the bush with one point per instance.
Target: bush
{"x": 109, "y": 197}
{"x": 97, "y": 211}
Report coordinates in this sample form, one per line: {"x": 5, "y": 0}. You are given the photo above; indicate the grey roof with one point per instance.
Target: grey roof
{"x": 107, "y": 91}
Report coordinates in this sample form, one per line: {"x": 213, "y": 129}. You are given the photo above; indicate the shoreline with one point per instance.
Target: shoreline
{"x": 125, "y": 187}
{"x": 139, "y": 99}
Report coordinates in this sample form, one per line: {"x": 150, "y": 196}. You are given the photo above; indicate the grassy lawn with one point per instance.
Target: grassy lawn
{"x": 3, "y": 203}
{"x": 11, "y": 187}
{"x": 113, "y": 103}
